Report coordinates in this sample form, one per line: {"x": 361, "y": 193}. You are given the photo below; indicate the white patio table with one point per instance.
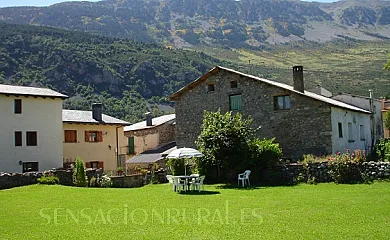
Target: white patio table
{"x": 186, "y": 180}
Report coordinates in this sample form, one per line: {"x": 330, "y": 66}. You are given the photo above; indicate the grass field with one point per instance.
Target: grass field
{"x": 324, "y": 211}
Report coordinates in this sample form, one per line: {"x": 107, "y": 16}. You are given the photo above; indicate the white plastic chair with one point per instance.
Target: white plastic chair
{"x": 197, "y": 183}
{"x": 170, "y": 181}
{"x": 178, "y": 183}
{"x": 244, "y": 177}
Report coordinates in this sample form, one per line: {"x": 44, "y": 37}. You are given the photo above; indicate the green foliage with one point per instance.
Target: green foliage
{"x": 48, "y": 180}
{"x": 224, "y": 143}
{"x": 264, "y": 152}
{"x": 386, "y": 120}
{"x": 387, "y": 65}
{"x": 344, "y": 169}
{"x": 106, "y": 181}
{"x": 79, "y": 177}
{"x": 177, "y": 166}
{"x": 382, "y": 150}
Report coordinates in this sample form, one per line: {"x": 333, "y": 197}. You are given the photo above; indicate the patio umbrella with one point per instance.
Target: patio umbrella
{"x": 184, "y": 153}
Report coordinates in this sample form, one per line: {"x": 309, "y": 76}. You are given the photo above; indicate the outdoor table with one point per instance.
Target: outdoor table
{"x": 186, "y": 178}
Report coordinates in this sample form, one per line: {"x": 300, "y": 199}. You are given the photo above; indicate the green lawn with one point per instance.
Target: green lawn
{"x": 324, "y": 211}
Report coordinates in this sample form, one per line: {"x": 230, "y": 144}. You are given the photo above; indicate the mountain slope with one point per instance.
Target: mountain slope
{"x": 187, "y": 23}
{"x": 130, "y": 78}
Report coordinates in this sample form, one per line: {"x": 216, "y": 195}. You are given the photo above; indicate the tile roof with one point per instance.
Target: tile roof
{"x": 277, "y": 84}
{"x": 30, "y": 91}
{"x": 77, "y": 116}
{"x": 152, "y": 156}
{"x": 156, "y": 122}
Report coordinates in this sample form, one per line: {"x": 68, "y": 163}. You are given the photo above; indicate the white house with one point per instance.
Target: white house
{"x": 31, "y": 129}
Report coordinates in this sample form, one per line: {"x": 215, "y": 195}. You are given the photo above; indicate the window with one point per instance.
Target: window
{"x": 350, "y": 133}
{"x": 233, "y": 84}
{"x": 30, "y": 167}
{"x": 70, "y": 136}
{"x": 210, "y": 87}
{"x": 95, "y": 164}
{"x": 235, "y": 102}
{"x": 131, "y": 145}
{"x": 340, "y": 130}
{"x": 362, "y": 136}
{"x": 18, "y": 138}
{"x": 93, "y": 136}
{"x": 282, "y": 102}
{"x": 31, "y": 138}
{"x": 18, "y": 106}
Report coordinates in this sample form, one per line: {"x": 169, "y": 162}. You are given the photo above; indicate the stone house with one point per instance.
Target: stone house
{"x": 301, "y": 121}
{"x": 95, "y": 137}
{"x": 31, "y": 129}
{"x": 149, "y": 139}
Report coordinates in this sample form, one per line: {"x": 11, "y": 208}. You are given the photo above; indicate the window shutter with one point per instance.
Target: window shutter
{"x": 101, "y": 164}
{"x": 88, "y": 164}
{"x": 131, "y": 145}
{"x": 100, "y": 136}
{"x": 86, "y": 136}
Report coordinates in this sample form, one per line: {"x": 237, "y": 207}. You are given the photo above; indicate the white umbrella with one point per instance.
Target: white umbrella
{"x": 184, "y": 153}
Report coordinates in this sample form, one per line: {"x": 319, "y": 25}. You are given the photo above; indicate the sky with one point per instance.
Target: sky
{"x": 12, "y": 3}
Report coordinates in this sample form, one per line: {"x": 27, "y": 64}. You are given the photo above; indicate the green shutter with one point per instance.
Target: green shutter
{"x": 235, "y": 103}
{"x": 131, "y": 145}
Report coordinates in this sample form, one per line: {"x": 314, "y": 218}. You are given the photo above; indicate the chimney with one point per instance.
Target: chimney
{"x": 298, "y": 79}
{"x": 97, "y": 111}
{"x": 149, "y": 121}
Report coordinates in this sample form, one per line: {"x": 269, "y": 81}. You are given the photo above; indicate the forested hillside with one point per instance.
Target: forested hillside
{"x": 130, "y": 78}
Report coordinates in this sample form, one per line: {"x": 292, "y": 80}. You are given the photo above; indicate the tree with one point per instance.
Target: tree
{"x": 224, "y": 143}
{"x": 387, "y": 120}
{"x": 387, "y": 65}
{"x": 79, "y": 177}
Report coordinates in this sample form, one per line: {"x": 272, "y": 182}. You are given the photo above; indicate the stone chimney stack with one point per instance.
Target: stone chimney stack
{"x": 298, "y": 79}
{"x": 97, "y": 111}
{"x": 149, "y": 121}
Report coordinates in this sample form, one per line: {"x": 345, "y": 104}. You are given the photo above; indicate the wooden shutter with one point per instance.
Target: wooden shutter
{"x": 86, "y": 136}
{"x": 88, "y": 164}
{"x": 131, "y": 145}
{"x": 100, "y": 136}
{"x": 101, "y": 164}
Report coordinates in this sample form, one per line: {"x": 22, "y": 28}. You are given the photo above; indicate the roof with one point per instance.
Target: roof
{"x": 77, "y": 116}
{"x": 155, "y": 121}
{"x": 216, "y": 69}
{"x": 152, "y": 156}
{"x": 30, "y": 91}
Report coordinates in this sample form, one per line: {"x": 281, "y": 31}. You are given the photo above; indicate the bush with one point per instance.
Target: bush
{"x": 177, "y": 165}
{"x": 49, "y": 180}
{"x": 105, "y": 181}
{"x": 382, "y": 150}
{"x": 344, "y": 169}
{"x": 79, "y": 177}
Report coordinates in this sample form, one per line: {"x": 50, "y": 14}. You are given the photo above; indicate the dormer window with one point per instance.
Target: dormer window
{"x": 210, "y": 87}
{"x": 233, "y": 84}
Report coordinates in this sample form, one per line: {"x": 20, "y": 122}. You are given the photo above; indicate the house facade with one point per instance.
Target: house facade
{"x": 95, "y": 137}
{"x": 149, "y": 140}
{"x": 301, "y": 121}
{"x": 369, "y": 104}
{"x": 31, "y": 129}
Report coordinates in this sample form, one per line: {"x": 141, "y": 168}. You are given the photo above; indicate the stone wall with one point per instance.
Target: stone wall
{"x": 374, "y": 170}
{"x": 131, "y": 181}
{"x": 305, "y": 128}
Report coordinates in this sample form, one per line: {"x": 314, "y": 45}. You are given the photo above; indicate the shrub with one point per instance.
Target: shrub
{"x": 344, "y": 169}
{"x": 79, "y": 177}
{"x": 382, "y": 150}
{"x": 177, "y": 165}
{"x": 105, "y": 181}
{"x": 49, "y": 180}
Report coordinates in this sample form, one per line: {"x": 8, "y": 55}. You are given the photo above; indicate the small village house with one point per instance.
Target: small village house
{"x": 149, "y": 140}
{"x": 302, "y": 122}
{"x": 95, "y": 137}
{"x": 31, "y": 129}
